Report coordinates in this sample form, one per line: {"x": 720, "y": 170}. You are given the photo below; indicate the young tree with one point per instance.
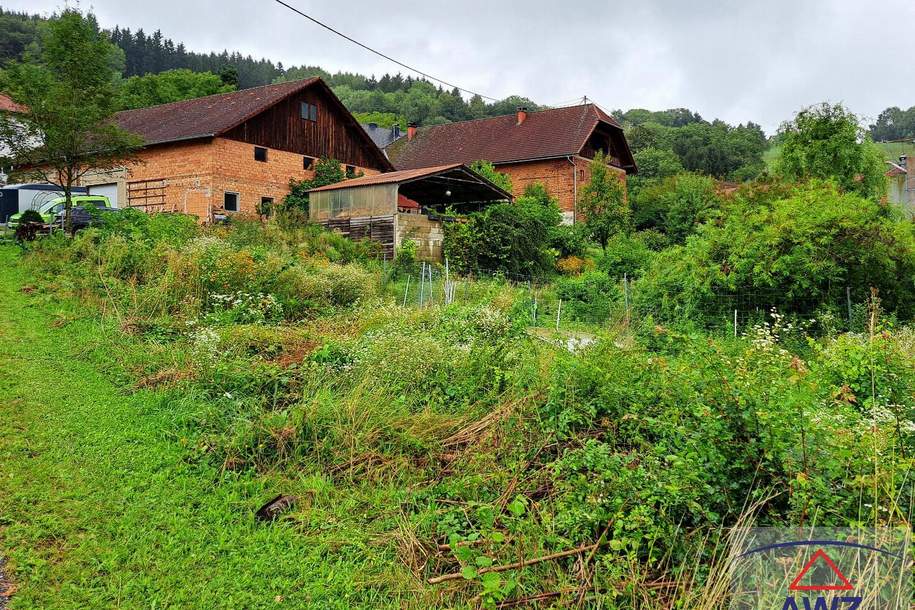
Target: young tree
{"x": 603, "y": 202}
{"x": 68, "y": 90}
{"x": 827, "y": 142}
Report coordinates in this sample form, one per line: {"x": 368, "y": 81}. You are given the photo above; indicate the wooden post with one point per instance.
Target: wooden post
{"x": 558, "y": 313}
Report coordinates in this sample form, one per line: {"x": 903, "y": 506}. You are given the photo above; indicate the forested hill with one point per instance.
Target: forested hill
{"x": 157, "y": 70}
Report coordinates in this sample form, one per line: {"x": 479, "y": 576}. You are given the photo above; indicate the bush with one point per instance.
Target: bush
{"x": 305, "y": 292}
{"x": 589, "y": 297}
{"x": 803, "y": 250}
{"x": 676, "y": 206}
{"x": 511, "y": 238}
{"x": 625, "y": 255}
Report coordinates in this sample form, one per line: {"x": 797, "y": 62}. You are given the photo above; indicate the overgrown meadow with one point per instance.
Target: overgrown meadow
{"x": 468, "y": 443}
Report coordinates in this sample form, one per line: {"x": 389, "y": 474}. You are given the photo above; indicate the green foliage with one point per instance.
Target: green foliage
{"x": 327, "y": 171}
{"x": 676, "y": 206}
{"x": 806, "y": 246}
{"x": 656, "y": 163}
{"x": 626, "y": 255}
{"x": 511, "y": 238}
{"x": 827, "y": 142}
{"x": 603, "y": 202}
{"x": 169, "y": 86}
{"x": 68, "y": 86}
{"x": 894, "y": 124}
{"x": 488, "y": 171}
{"x": 588, "y": 297}
{"x": 382, "y": 119}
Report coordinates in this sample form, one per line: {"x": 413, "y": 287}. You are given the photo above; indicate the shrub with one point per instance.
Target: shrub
{"x": 511, "y": 238}
{"x": 305, "y": 292}
{"x": 676, "y": 206}
{"x": 802, "y": 250}
{"x": 625, "y": 255}
{"x": 589, "y": 297}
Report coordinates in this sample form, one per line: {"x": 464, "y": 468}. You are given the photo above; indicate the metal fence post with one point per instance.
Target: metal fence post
{"x": 406, "y": 290}
{"x": 735, "y": 322}
{"x": 558, "y": 313}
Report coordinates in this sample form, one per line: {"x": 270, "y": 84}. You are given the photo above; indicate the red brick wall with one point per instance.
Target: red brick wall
{"x": 558, "y": 175}
{"x": 197, "y": 175}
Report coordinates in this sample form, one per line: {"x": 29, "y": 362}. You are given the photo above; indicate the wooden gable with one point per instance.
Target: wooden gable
{"x": 334, "y": 133}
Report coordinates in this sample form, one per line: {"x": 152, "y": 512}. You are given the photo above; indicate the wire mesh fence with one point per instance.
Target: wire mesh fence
{"x": 547, "y": 303}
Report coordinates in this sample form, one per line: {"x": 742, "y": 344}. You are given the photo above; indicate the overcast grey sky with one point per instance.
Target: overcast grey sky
{"x": 737, "y": 60}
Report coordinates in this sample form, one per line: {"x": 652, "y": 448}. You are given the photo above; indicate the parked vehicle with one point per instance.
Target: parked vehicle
{"x": 50, "y": 209}
{"x": 83, "y": 216}
{"x": 16, "y": 198}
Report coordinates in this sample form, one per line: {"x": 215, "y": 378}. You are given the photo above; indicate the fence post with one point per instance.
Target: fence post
{"x": 558, "y": 313}
{"x": 735, "y": 322}
{"x": 626, "y": 295}
{"x": 422, "y": 283}
{"x": 406, "y": 290}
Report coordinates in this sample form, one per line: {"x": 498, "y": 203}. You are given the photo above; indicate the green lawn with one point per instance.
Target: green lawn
{"x": 105, "y": 502}
{"x": 891, "y": 152}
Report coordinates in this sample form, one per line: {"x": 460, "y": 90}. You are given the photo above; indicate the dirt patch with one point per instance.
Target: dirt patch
{"x": 6, "y": 587}
{"x": 164, "y": 377}
{"x": 296, "y": 353}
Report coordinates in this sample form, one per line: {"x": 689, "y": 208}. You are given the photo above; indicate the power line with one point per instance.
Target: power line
{"x": 380, "y": 54}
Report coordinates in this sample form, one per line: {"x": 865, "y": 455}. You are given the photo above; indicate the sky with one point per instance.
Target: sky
{"x": 737, "y": 60}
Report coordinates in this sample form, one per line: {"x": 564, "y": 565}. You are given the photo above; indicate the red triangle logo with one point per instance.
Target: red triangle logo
{"x": 845, "y": 586}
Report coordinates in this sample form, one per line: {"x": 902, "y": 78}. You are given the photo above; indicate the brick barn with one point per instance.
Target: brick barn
{"x": 233, "y": 151}
{"x": 554, "y": 147}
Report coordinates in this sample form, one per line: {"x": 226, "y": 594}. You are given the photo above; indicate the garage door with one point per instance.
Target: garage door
{"x": 108, "y": 190}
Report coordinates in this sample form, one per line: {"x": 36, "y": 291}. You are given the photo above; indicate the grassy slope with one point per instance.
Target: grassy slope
{"x": 103, "y": 505}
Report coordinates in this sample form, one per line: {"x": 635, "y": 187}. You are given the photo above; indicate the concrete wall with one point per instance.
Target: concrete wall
{"x": 428, "y": 235}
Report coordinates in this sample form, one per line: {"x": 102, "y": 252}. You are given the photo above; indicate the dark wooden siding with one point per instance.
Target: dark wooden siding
{"x": 332, "y": 135}
{"x": 376, "y": 228}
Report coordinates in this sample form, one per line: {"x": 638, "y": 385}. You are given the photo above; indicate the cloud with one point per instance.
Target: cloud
{"x": 738, "y": 61}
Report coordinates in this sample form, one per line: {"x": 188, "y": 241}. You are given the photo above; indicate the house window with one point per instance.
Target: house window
{"x": 230, "y": 201}
{"x": 266, "y": 207}
{"x": 581, "y": 174}
{"x": 309, "y": 112}
{"x": 260, "y": 154}
{"x": 307, "y": 162}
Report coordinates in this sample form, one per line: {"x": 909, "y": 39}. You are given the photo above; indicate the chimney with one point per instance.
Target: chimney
{"x": 395, "y": 130}
{"x": 411, "y": 131}
{"x": 522, "y": 114}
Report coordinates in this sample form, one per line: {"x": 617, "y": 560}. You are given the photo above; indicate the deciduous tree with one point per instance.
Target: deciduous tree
{"x": 68, "y": 90}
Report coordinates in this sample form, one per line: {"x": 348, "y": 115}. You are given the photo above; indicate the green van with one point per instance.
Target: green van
{"x": 52, "y": 208}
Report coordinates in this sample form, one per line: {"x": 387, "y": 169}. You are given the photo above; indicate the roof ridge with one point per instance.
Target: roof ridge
{"x": 299, "y": 82}
{"x": 500, "y": 116}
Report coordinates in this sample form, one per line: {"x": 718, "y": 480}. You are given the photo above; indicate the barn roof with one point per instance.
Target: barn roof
{"x": 544, "y": 134}
{"x": 214, "y": 115}
{"x": 460, "y": 181}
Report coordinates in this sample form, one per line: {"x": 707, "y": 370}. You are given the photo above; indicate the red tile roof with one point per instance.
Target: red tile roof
{"x": 8, "y": 105}
{"x": 205, "y": 116}
{"x": 388, "y": 178}
{"x": 544, "y": 134}
{"x": 412, "y": 175}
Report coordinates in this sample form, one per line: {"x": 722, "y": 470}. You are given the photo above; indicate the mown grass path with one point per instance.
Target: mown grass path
{"x": 101, "y": 502}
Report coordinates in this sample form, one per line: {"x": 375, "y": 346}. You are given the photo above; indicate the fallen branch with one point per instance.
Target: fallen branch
{"x": 516, "y": 565}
